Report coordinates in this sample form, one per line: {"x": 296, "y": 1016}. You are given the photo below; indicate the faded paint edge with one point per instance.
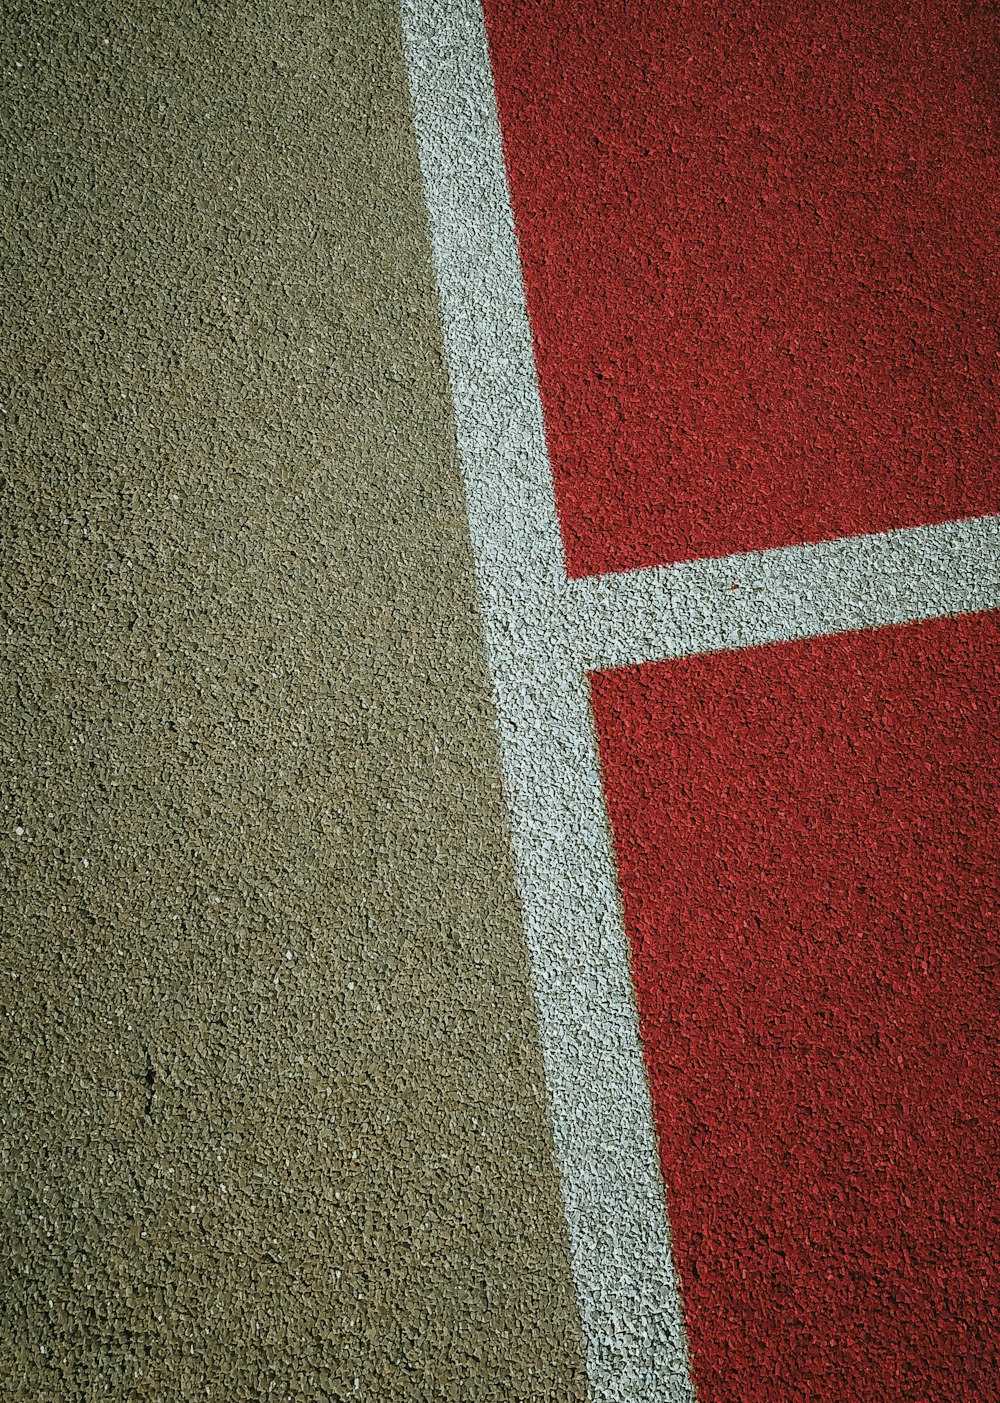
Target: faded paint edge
{"x": 625, "y": 1282}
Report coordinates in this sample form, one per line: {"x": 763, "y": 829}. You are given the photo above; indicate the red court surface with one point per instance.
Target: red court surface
{"x": 807, "y": 846}
{"x": 759, "y": 251}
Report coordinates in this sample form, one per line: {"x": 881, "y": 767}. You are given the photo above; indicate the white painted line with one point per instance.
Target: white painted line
{"x": 612, "y": 1190}
{"x": 543, "y": 632}
{"x": 742, "y": 601}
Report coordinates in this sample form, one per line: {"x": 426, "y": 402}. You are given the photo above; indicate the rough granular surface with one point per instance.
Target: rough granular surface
{"x": 807, "y": 857}
{"x": 273, "y": 1117}
{"x": 759, "y": 250}
{"x": 501, "y": 619}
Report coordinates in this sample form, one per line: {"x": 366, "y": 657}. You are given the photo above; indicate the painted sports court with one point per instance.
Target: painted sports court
{"x": 502, "y": 614}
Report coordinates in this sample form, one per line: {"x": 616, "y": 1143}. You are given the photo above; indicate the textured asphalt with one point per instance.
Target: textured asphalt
{"x": 272, "y": 1115}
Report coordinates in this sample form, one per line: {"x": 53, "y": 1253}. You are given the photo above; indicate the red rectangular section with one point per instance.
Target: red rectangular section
{"x": 807, "y": 847}
{"x": 759, "y": 248}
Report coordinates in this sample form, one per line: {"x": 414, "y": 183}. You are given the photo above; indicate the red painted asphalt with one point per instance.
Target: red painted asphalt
{"x": 758, "y": 248}
{"x": 806, "y": 839}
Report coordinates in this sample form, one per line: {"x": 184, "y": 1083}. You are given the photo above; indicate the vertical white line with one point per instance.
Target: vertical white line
{"x": 625, "y": 1282}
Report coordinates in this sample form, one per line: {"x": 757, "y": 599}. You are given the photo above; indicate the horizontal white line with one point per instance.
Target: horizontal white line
{"x": 742, "y": 601}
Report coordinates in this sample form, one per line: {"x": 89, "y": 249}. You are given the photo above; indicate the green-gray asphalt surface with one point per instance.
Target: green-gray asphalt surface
{"x": 273, "y": 1121}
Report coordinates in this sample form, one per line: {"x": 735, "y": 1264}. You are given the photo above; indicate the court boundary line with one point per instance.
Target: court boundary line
{"x": 543, "y": 634}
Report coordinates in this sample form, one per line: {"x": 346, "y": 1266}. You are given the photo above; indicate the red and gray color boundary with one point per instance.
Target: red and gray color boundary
{"x": 546, "y": 636}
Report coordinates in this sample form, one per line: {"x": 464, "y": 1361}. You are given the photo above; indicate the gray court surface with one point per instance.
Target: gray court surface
{"x": 272, "y": 1113}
